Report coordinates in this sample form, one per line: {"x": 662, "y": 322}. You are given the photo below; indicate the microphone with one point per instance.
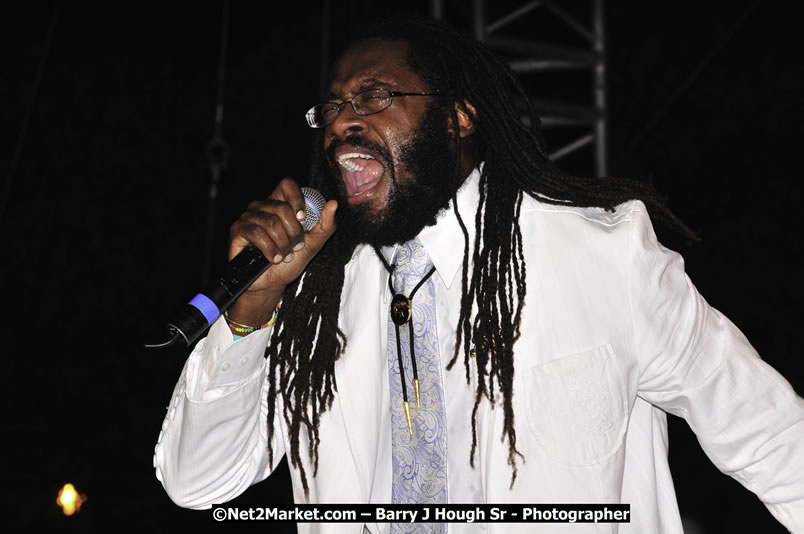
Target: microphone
{"x": 204, "y": 308}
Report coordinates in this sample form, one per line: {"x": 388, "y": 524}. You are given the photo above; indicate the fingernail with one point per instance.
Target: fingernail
{"x": 300, "y": 215}
{"x": 299, "y": 246}
{"x": 288, "y": 258}
{"x": 277, "y": 258}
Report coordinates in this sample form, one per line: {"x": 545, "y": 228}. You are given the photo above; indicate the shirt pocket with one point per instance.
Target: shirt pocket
{"x": 577, "y": 407}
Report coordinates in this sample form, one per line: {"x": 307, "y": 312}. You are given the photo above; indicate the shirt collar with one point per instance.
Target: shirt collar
{"x": 444, "y": 241}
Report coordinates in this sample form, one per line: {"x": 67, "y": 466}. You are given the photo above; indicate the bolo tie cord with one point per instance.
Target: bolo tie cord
{"x": 397, "y": 299}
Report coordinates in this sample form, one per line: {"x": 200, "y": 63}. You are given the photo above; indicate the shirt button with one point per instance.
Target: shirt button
{"x": 225, "y": 366}
{"x": 244, "y": 361}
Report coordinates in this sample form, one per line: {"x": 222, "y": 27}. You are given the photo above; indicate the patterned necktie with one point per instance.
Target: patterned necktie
{"x": 419, "y": 442}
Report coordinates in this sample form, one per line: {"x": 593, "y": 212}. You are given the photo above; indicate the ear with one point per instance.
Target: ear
{"x": 466, "y": 118}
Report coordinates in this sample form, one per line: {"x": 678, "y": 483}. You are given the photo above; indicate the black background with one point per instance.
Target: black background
{"x": 103, "y": 233}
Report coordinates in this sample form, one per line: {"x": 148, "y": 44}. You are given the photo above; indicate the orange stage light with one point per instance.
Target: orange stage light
{"x": 70, "y": 500}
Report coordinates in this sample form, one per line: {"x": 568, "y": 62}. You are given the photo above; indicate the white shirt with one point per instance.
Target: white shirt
{"x": 613, "y": 335}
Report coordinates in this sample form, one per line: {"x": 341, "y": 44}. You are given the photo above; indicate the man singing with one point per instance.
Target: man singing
{"x": 467, "y": 323}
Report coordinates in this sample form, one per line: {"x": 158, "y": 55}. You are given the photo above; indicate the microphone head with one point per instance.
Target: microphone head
{"x": 315, "y": 203}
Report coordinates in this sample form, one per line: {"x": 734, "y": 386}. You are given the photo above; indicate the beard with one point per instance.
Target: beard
{"x": 411, "y": 206}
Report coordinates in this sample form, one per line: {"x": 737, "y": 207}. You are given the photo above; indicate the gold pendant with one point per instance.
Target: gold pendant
{"x": 417, "y": 390}
{"x": 401, "y": 307}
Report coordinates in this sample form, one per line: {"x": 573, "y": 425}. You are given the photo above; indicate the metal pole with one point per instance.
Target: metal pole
{"x": 437, "y": 9}
{"x": 217, "y": 149}
{"x": 512, "y": 16}
{"x": 325, "y": 25}
{"x": 601, "y": 162}
{"x": 480, "y": 19}
{"x": 22, "y": 136}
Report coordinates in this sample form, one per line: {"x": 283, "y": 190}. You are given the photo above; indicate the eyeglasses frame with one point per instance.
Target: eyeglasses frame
{"x": 339, "y": 105}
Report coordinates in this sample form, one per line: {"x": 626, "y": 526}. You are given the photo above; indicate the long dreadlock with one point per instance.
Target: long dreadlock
{"x": 307, "y": 341}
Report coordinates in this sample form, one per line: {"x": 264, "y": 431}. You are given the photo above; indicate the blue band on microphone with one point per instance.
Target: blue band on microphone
{"x": 206, "y": 306}
{"x": 311, "y": 205}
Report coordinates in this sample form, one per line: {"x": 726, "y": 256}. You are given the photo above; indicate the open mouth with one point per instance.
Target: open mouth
{"x": 361, "y": 172}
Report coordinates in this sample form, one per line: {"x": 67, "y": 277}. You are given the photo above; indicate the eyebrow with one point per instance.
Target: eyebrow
{"x": 365, "y": 85}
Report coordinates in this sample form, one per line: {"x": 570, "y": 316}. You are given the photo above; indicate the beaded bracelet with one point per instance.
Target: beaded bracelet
{"x": 243, "y": 329}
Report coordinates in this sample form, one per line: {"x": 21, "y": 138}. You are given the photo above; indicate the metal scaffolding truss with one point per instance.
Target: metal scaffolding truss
{"x": 558, "y": 51}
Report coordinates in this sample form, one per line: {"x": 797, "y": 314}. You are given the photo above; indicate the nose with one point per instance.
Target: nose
{"x": 346, "y": 123}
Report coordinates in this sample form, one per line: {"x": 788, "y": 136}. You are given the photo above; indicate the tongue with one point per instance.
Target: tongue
{"x": 359, "y": 181}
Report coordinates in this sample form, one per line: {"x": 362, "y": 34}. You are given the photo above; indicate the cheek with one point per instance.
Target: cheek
{"x": 396, "y": 140}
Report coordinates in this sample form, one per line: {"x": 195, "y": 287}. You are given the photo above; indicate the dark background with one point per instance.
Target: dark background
{"x": 105, "y": 210}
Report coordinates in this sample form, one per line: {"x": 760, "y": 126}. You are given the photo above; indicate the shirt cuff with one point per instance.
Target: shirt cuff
{"x": 220, "y": 363}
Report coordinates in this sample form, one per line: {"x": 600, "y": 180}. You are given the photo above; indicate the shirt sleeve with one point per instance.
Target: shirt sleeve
{"x": 696, "y": 364}
{"x": 214, "y": 439}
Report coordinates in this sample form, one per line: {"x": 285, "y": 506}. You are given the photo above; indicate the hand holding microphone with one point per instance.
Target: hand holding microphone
{"x": 285, "y": 228}
{"x": 283, "y": 232}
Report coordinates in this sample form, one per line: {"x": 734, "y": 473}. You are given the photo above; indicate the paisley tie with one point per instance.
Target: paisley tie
{"x": 419, "y": 437}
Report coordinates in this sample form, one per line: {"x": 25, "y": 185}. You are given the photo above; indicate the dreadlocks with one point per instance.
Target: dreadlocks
{"x": 307, "y": 342}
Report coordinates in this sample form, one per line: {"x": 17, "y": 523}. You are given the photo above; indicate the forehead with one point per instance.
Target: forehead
{"x": 374, "y": 63}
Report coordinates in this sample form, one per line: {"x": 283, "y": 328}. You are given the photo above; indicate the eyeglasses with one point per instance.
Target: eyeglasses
{"x": 365, "y": 103}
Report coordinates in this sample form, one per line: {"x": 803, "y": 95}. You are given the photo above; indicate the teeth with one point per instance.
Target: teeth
{"x": 348, "y": 163}
{"x": 351, "y": 155}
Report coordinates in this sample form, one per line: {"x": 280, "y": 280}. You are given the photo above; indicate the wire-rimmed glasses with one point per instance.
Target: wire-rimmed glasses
{"x": 365, "y": 103}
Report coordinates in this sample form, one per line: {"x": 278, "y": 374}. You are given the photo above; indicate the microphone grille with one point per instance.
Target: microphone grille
{"x": 315, "y": 203}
